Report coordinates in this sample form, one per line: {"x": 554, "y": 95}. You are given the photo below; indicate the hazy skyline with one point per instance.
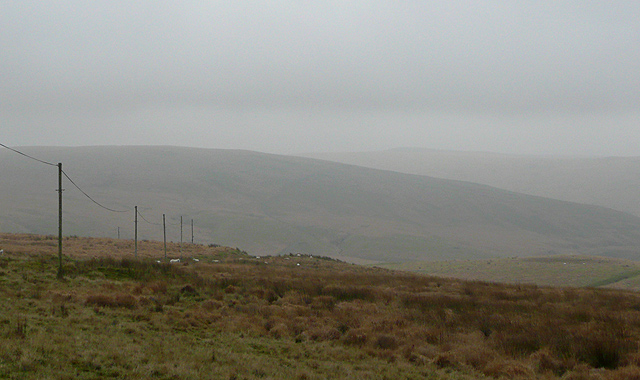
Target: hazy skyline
{"x": 544, "y": 77}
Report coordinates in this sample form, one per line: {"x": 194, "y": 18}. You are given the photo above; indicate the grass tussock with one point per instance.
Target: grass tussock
{"x": 230, "y": 315}
{"x": 124, "y": 300}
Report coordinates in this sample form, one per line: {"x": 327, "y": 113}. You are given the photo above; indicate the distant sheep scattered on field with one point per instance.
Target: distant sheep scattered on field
{"x": 174, "y": 260}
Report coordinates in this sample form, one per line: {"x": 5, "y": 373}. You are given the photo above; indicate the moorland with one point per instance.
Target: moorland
{"x": 223, "y": 313}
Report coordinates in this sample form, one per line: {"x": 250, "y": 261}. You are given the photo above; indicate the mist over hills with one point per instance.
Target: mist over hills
{"x": 605, "y": 181}
{"x": 271, "y": 204}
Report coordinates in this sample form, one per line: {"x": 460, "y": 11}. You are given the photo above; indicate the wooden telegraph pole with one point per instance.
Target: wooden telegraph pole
{"x": 180, "y": 236}
{"x": 191, "y": 231}
{"x": 164, "y": 229}
{"x": 136, "y": 231}
{"x": 60, "y": 272}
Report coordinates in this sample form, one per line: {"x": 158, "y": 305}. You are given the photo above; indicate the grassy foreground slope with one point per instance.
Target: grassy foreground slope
{"x": 270, "y": 204}
{"x": 234, "y": 316}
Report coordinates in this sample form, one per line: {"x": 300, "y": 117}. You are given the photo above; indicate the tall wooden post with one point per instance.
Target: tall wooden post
{"x": 191, "y": 231}
{"x": 60, "y": 272}
{"x": 164, "y": 229}
{"x": 180, "y": 236}
{"x": 136, "y": 232}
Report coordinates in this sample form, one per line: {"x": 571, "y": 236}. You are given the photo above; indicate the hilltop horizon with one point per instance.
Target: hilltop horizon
{"x": 308, "y": 153}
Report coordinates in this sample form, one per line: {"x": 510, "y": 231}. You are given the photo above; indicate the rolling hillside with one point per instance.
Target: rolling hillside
{"x": 270, "y": 204}
{"x": 605, "y": 181}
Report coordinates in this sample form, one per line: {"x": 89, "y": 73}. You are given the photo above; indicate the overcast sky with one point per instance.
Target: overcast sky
{"x": 542, "y": 77}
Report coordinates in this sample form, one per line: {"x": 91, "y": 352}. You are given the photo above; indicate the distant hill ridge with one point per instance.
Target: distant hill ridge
{"x": 272, "y": 204}
{"x": 605, "y": 181}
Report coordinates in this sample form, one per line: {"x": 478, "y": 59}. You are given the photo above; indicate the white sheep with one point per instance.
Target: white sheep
{"x": 174, "y": 260}
{"x": 1, "y": 251}
{"x": 196, "y": 260}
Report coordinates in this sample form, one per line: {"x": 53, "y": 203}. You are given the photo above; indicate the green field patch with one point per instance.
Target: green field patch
{"x": 616, "y": 278}
{"x": 560, "y": 270}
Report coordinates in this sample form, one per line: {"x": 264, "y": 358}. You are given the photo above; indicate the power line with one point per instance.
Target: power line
{"x": 80, "y": 189}
{"x": 26, "y": 155}
{"x": 66, "y": 175}
{"x": 173, "y": 224}
{"x": 87, "y": 195}
{"x": 143, "y": 218}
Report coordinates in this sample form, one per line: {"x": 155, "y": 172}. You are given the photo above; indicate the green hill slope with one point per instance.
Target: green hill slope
{"x": 605, "y": 181}
{"x": 269, "y": 204}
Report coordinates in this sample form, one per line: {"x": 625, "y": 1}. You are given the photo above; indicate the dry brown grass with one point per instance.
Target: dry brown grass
{"x": 411, "y": 322}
